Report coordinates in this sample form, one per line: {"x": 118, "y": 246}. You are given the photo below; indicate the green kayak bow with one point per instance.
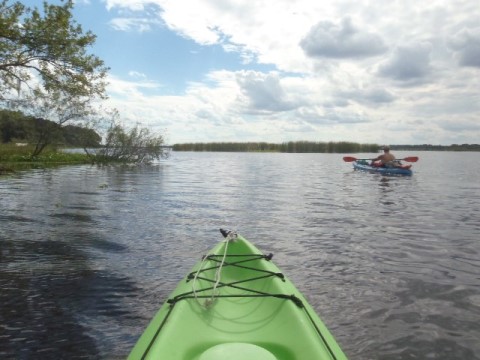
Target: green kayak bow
{"x": 236, "y": 304}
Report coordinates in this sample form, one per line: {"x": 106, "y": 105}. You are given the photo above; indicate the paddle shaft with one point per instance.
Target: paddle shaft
{"x": 351, "y": 158}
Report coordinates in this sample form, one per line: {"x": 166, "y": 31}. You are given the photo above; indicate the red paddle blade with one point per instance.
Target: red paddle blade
{"x": 411, "y": 159}
{"x": 349, "y": 158}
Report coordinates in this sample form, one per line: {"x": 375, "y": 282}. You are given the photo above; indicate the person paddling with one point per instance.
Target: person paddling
{"x": 387, "y": 159}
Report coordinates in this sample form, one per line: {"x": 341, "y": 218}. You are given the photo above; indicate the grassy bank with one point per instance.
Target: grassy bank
{"x": 14, "y": 157}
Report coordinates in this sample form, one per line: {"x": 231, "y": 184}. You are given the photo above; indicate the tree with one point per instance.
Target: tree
{"x": 44, "y": 133}
{"x": 12, "y": 126}
{"x": 60, "y": 109}
{"x": 46, "y": 55}
{"x": 49, "y": 49}
{"x": 81, "y": 137}
{"x": 17, "y": 127}
{"x": 138, "y": 145}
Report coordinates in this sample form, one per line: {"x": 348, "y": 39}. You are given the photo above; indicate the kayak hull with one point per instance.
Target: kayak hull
{"x": 236, "y": 302}
{"x": 382, "y": 170}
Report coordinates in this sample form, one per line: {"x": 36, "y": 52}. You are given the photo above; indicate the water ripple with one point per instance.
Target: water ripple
{"x": 88, "y": 254}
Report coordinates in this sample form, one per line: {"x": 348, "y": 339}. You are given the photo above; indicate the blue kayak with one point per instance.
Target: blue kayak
{"x": 400, "y": 170}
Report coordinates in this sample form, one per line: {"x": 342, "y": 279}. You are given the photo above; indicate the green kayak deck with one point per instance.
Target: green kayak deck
{"x": 236, "y": 304}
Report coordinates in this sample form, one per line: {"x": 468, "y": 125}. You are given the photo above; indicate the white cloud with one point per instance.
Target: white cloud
{"x": 131, "y": 24}
{"x": 385, "y": 72}
{"x": 343, "y": 40}
{"x": 132, "y": 5}
{"x": 408, "y": 62}
{"x": 263, "y": 92}
{"x": 122, "y": 89}
{"x": 466, "y": 44}
{"x": 137, "y": 75}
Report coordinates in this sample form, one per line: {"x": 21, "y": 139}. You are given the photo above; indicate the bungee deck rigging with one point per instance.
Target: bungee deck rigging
{"x": 250, "y": 292}
{"x": 241, "y": 290}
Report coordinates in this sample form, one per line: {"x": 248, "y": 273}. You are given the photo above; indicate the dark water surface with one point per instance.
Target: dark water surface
{"x": 391, "y": 264}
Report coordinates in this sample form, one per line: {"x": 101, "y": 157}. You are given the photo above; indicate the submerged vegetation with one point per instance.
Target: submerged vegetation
{"x": 138, "y": 145}
{"x": 286, "y": 147}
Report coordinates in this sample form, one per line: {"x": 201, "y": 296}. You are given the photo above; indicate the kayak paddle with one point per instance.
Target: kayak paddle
{"x": 351, "y": 158}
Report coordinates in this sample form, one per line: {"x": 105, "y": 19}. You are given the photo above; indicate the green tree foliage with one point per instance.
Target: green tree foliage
{"x": 138, "y": 145}
{"x": 81, "y": 137}
{"x": 45, "y": 132}
{"x": 45, "y": 68}
{"x": 288, "y": 147}
{"x": 17, "y": 127}
{"x": 48, "y": 47}
{"x": 12, "y": 126}
{"x": 430, "y": 147}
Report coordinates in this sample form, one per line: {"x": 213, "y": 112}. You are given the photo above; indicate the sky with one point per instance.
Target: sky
{"x": 368, "y": 71}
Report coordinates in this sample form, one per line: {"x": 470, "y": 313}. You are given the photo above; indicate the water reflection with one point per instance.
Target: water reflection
{"x": 47, "y": 292}
{"x": 422, "y": 329}
{"x": 88, "y": 254}
{"x": 52, "y": 292}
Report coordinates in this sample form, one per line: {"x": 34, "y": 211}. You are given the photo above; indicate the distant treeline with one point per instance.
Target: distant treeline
{"x": 15, "y": 127}
{"x": 286, "y": 147}
{"x": 427, "y": 147}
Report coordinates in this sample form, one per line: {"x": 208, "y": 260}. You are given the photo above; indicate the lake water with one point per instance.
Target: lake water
{"x": 391, "y": 264}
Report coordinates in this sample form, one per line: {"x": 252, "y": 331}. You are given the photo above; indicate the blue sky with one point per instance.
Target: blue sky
{"x": 405, "y": 72}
